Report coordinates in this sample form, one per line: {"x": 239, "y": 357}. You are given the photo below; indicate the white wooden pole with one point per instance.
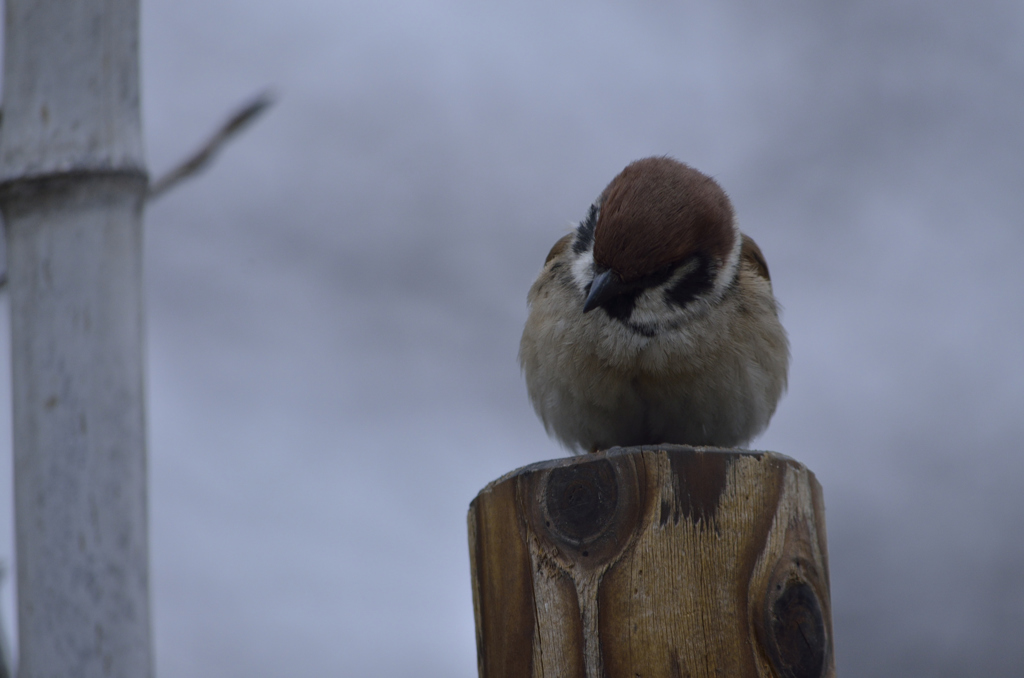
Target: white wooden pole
{"x": 72, "y": 187}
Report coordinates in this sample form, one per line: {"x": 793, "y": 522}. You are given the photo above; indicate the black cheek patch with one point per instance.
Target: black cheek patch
{"x": 621, "y": 307}
{"x": 585, "y": 232}
{"x": 691, "y": 286}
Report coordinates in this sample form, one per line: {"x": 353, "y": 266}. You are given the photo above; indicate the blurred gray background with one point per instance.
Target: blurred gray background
{"x": 335, "y": 307}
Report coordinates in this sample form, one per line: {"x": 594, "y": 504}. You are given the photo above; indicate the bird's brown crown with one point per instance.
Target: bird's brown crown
{"x": 658, "y": 212}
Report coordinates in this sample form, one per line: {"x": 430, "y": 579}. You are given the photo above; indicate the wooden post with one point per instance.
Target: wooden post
{"x": 72, "y": 188}
{"x": 651, "y": 562}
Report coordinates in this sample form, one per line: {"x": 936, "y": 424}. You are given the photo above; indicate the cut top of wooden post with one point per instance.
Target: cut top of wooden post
{"x": 652, "y": 561}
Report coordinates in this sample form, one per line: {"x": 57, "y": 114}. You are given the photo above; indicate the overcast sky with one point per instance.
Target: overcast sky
{"x": 334, "y": 308}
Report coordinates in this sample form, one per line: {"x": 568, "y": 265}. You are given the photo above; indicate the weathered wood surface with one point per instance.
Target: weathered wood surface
{"x": 72, "y": 185}
{"x": 652, "y": 561}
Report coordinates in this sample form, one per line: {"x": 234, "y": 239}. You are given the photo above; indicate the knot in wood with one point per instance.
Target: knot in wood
{"x": 581, "y": 501}
{"x": 796, "y": 632}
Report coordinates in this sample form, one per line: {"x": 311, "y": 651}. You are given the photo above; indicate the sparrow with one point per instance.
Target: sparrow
{"x": 654, "y": 320}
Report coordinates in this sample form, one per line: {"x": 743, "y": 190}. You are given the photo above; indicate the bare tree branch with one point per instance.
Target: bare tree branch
{"x": 201, "y": 158}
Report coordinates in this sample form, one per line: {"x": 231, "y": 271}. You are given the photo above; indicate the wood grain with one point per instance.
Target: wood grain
{"x": 646, "y": 562}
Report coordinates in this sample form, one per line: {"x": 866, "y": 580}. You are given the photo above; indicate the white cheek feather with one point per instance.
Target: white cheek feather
{"x": 583, "y": 270}
{"x": 732, "y": 263}
{"x": 681, "y": 273}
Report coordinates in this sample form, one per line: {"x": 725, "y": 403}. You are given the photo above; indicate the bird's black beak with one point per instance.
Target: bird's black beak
{"x": 605, "y": 286}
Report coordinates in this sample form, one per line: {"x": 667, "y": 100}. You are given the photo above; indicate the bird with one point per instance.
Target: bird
{"x": 654, "y": 321}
